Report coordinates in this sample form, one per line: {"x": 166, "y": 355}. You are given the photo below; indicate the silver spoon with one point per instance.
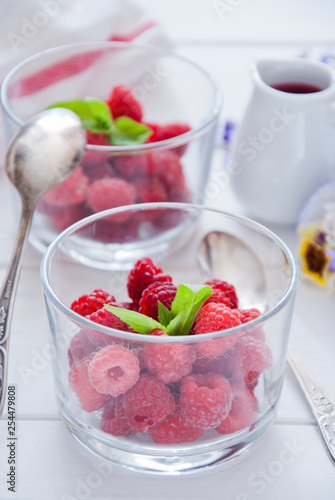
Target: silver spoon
{"x": 43, "y": 154}
{"x": 222, "y": 254}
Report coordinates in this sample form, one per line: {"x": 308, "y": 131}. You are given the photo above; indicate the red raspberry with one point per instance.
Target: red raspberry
{"x": 206, "y": 364}
{"x": 70, "y": 192}
{"x": 97, "y": 138}
{"x": 113, "y": 370}
{"x": 96, "y": 171}
{"x": 214, "y": 317}
{"x": 147, "y": 403}
{"x": 154, "y": 127}
{"x": 243, "y": 398}
{"x": 107, "y": 231}
{"x": 249, "y": 358}
{"x": 123, "y": 103}
{"x": 89, "y": 398}
{"x": 227, "y": 289}
{"x": 63, "y": 217}
{"x": 248, "y": 314}
{"x": 129, "y": 166}
{"x": 174, "y": 430}
{"x": 150, "y": 190}
{"x": 164, "y": 132}
{"x": 113, "y": 419}
{"x": 163, "y": 292}
{"x": 142, "y": 275}
{"x": 88, "y": 304}
{"x": 167, "y": 167}
{"x": 205, "y": 400}
{"x": 234, "y": 423}
{"x": 168, "y": 362}
{"x": 79, "y": 348}
{"x": 110, "y": 193}
{"x": 107, "y": 318}
{"x": 218, "y": 297}
{"x": 242, "y": 413}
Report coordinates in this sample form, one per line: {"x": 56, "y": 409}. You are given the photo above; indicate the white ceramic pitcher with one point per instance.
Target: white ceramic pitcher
{"x": 285, "y": 147}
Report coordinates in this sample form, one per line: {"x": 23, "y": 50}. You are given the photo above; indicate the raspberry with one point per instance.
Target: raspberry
{"x": 96, "y": 171}
{"x": 167, "y": 167}
{"x": 234, "y": 423}
{"x": 142, "y": 275}
{"x": 97, "y": 138}
{"x": 123, "y": 103}
{"x": 169, "y": 362}
{"x": 88, "y": 304}
{"x": 150, "y": 190}
{"x": 89, "y": 399}
{"x": 205, "y": 400}
{"x": 113, "y": 370}
{"x": 110, "y": 193}
{"x": 214, "y": 317}
{"x": 147, "y": 403}
{"x": 113, "y": 419}
{"x": 132, "y": 165}
{"x": 218, "y": 297}
{"x": 174, "y": 429}
{"x": 107, "y": 231}
{"x": 164, "y": 132}
{"x": 243, "y": 398}
{"x": 63, "y": 217}
{"x": 227, "y": 289}
{"x": 248, "y": 314}
{"x": 71, "y": 191}
{"x": 206, "y": 364}
{"x": 79, "y": 348}
{"x": 163, "y": 292}
{"x": 242, "y": 413}
{"x": 107, "y": 318}
{"x": 249, "y": 358}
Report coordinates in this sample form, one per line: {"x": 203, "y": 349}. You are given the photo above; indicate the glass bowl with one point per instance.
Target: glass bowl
{"x": 169, "y": 89}
{"x": 159, "y": 403}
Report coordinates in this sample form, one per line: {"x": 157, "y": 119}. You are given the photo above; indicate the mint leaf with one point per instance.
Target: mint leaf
{"x": 178, "y": 321}
{"x": 137, "y": 321}
{"x": 182, "y": 301}
{"x": 201, "y": 296}
{"x": 187, "y": 302}
{"x": 164, "y": 315}
{"x": 128, "y": 132}
{"x": 175, "y": 325}
{"x": 94, "y": 113}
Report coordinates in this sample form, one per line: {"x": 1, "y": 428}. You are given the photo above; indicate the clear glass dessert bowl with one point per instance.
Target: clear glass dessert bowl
{"x": 199, "y": 383}
{"x": 168, "y": 97}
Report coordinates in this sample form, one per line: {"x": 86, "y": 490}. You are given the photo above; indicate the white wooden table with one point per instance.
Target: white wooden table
{"x": 290, "y": 462}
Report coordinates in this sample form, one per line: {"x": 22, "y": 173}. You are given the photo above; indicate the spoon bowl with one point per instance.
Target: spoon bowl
{"x": 42, "y": 155}
{"x": 223, "y": 254}
{"x": 45, "y": 152}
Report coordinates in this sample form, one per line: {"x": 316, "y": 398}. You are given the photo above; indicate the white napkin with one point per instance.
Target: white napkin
{"x": 27, "y": 27}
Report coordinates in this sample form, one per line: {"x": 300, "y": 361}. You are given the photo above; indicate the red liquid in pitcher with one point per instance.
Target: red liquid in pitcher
{"x": 296, "y": 87}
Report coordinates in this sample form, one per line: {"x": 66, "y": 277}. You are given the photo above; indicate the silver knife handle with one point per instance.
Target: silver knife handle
{"x": 321, "y": 404}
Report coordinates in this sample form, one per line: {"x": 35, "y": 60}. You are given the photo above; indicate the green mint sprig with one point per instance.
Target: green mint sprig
{"x": 178, "y": 321}
{"x": 95, "y": 116}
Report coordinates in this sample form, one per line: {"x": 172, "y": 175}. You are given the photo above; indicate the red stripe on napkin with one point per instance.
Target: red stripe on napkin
{"x": 67, "y": 68}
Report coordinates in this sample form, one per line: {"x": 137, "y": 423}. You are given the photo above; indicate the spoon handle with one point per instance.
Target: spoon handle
{"x": 321, "y": 404}
{"x": 8, "y": 291}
